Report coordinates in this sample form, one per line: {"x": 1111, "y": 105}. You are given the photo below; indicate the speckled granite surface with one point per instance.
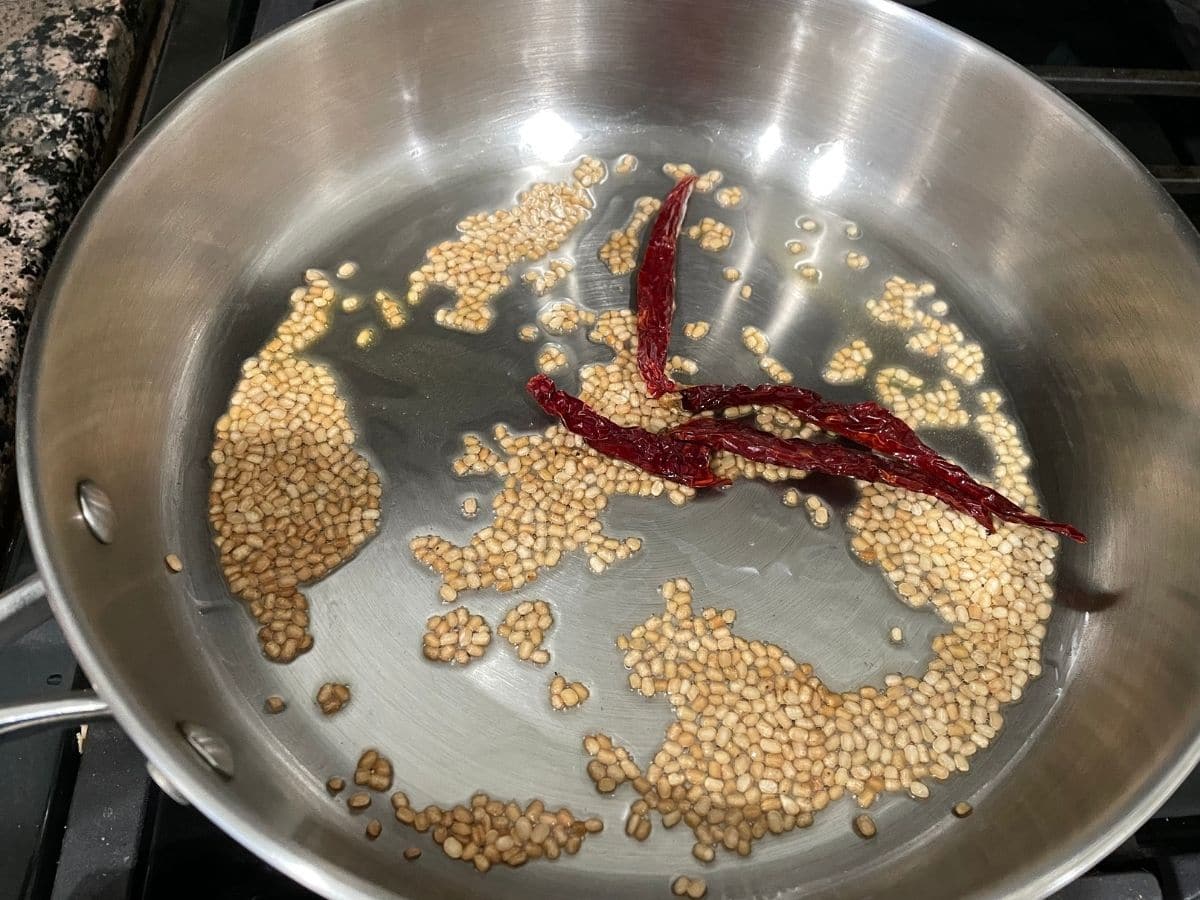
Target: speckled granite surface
{"x": 64, "y": 69}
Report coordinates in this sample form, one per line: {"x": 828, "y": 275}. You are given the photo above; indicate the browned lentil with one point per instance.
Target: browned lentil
{"x": 962, "y": 809}
{"x": 525, "y": 627}
{"x": 864, "y": 826}
{"x": 412, "y": 853}
{"x": 358, "y": 801}
{"x": 374, "y": 829}
{"x": 173, "y": 562}
{"x": 335, "y": 785}
{"x": 457, "y": 637}
{"x": 487, "y": 832}
{"x": 567, "y": 695}
{"x": 373, "y": 771}
{"x": 332, "y": 696}
{"x": 275, "y": 704}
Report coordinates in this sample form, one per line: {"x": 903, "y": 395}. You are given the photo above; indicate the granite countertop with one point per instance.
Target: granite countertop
{"x": 65, "y": 68}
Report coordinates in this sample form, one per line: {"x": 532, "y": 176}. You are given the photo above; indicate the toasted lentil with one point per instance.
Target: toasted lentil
{"x": 683, "y": 886}
{"x": 332, "y": 696}
{"x": 729, "y": 273}
{"x": 351, "y": 303}
{"x": 745, "y": 291}
{"x": 487, "y": 832}
{"x": 939, "y": 308}
{"x": 528, "y": 333}
{"x": 525, "y": 627}
{"x": 619, "y": 252}
{"x": 567, "y": 695}
{"x": 335, "y": 785}
{"x": 962, "y": 809}
{"x": 864, "y": 826}
{"x": 475, "y": 265}
{"x": 791, "y": 497}
{"x": 374, "y": 829}
{"x": 809, "y": 272}
{"x": 290, "y": 500}
{"x": 275, "y": 704}
{"x": 848, "y": 364}
{"x": 173, "y": 562}
{"x": 695, "y": 330}
{"x": 347, "y": 270}
{"x": 729, "y": 197}
{"x": 551, "y": 358}
{"x": 412, "y": 853}
{"x": 358, "y": 801}
{"x": 626, "y": 163}
{"x": 457, "y": 637}
{"x": 373, "y": 771}
{"x": 470, "y": 507}
{"x": 709, "y": 180}
{"x": 796, "y": 247}
{"x": 610, "y": 765}
{"x": 365, "y": 338}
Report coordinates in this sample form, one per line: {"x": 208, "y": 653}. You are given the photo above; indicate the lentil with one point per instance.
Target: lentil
{"x": 564, "y": 317}
{"x": 962, "y": 809}
{"x": 374, "y": 829}
{"x": 848, "y": 365}
{"x": 728, "y": 197}
{"x": 683, "y": 886}
{"x": 809, "y": 272}
{"x": 746, "y": 291}
{"x": 351, "y": 303}
{"x": 412, "y": 853}
{"x": 896, "y": 634}
{"x": 359, "y": 801}
{"x": 619, "y": 252}
{"x": 488, "y": 832}
{"x": 776, "y": 371}
{"x": 373, "y": 771}
{"x": 709, "y": 180}
{"x": 755, "y": 341}
{"x": 470, "y": 507}
{"x": 393, "y": 314}
{"x": 729, "y": 273}
{"x": 544, "y": 280}
{"x": 528, "y": 333}
{"x": 347, "y": 270}
{"x": 475, "y": 266}
{"x": 611, "y": 765}
{"x": 818, "y": 512}
{"x": 857, "y": 261}
{"x": 365, "y": 338}
{"x": 275, "y": 704}
{"x": 564, "y": 695}
{"x": 551, "y": 358}
{"x": 900, "y": 391}
{"x": 457, "y": 637}
{"x": 695, "y": 330}
{"x": 525, "y": 627}
{"x": 853, "y": 232}
{"x": 173, "y": 562}
{"x": 712, "y": 235}
{"x": 864, "y": 827}
{"x": 335, "y": 785}
{"x": 796, "y": 247}
{"x": 332, "y": 696}
{"x": 807, "y": 224}
{"x": 626, "y": 163}
{"x": 791, "y": 497}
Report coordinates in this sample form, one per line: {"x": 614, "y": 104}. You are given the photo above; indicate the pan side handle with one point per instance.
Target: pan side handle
{"x": 22, "y": 608}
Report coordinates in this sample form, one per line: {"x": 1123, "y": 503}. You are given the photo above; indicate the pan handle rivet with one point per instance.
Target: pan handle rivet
{"x": 97, "y": 510}
{"x": 209, "y": 747}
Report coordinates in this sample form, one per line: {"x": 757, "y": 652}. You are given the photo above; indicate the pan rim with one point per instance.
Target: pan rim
{"x": 283, "y": 852}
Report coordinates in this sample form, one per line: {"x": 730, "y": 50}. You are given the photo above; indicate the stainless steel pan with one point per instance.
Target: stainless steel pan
{"x": 365, "y": 132}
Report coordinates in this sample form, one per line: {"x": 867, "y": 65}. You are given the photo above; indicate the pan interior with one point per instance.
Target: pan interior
{"x": 349, "y": 138}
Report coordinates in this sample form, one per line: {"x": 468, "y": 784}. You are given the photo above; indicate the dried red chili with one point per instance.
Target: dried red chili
{"x": 656, "y": 289}
{"x": 874, "y": 427}
{"x": 736, "y": 436}
{"x": 657, "y": 453}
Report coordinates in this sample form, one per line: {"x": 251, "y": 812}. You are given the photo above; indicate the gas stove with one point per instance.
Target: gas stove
{"x": 82, "y": 818}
